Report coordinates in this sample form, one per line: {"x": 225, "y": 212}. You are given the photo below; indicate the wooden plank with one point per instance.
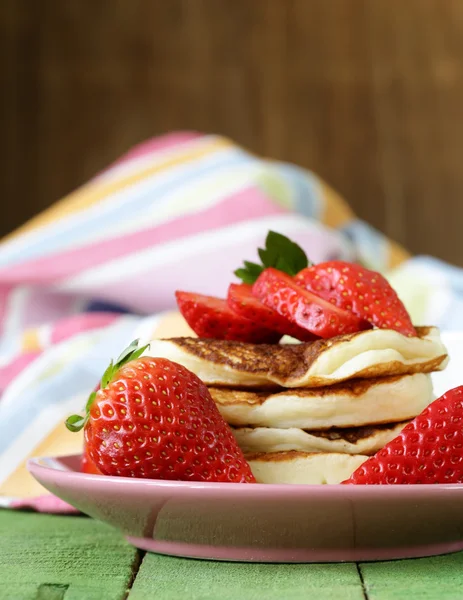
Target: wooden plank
{"x": 46, "y": 557}
{"x": 438, "y": 577}
{"x": 170, "y": 578}
{"x": 49, "y": 557}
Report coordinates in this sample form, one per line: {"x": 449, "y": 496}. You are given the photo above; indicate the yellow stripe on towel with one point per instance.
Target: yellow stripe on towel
{"x": 59, "y": 442}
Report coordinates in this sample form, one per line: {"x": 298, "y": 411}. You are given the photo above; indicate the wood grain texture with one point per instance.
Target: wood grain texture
{"x": 49, "y": 557}
{"x": 170, "y": 578}
{"x": 367, "y": 93}
{"x": 437, "y": 577}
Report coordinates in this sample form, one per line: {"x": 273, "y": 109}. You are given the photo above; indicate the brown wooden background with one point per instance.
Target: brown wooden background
{"x": 368, "y": 93}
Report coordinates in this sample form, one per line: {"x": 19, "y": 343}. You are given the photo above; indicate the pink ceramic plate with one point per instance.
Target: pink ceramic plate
{"x": 265, "y": 523}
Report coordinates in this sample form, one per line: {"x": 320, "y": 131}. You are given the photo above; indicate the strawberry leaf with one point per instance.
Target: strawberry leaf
{"x": 132, "y": 352}
{"x": 127, "y": 352}
{"x": 138, "y": 352}
{"x": 279, "y": 252}
{"x": 75, "y": 422}
{"x": 90, "y": 400}
{"x": 107, "y": 375}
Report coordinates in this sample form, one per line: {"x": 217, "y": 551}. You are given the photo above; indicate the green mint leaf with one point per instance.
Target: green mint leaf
{"x": 293, "y": 255}
{"x": 263, "y": 256}
{"x": 245, "y": 276}
{"x": 284, "y": 266}
{"x": 269, "y": 256}
{"x": 253, "y": 268}
{"x": 75, "y": 423}
{"x": 107, "y": 375}
{"x": 250, "y": 272}
{"x": 279, "y": 252}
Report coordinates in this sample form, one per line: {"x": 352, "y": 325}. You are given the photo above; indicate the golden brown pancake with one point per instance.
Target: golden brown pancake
{"x": 357, "y": 440}
{"x": 303, "y": 467}
{"x": 366, "y": 354}
{"x": 349, "y": 404}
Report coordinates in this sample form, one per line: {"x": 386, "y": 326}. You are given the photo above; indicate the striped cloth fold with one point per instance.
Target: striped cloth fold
{"x": 100, "y": 267}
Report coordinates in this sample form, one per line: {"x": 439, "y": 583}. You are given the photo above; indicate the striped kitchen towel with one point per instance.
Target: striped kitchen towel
{"x": 100, "y": 268}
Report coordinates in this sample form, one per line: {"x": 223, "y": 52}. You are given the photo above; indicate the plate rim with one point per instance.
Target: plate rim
{"x": 35, "y": 466}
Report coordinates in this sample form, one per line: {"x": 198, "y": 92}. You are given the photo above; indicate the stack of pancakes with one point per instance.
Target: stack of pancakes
{"x": 314, "y": 412}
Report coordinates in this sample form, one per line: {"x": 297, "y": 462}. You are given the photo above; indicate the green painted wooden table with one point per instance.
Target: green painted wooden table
{"x": 46, "y": 557}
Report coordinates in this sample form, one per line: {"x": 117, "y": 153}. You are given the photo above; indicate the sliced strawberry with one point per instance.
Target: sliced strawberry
{"x": 354, "y": 288}
{"x": 155, "y": 419}
{"x": 280, "y": 292}
{"x": 428, "y": 450}
{"x": 241, "y": 301}
{"x": 211, "y": 317}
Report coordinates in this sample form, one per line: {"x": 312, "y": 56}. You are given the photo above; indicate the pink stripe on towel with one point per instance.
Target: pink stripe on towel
{"x": 45, "y": 504}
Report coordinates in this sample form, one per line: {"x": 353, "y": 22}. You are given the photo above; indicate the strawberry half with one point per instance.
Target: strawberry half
{"x": 354, "y": 288}
{"x": 321, "y": 318}
{"x": 428, "y": 450}
{"x": 211, "y": 317}
{"x": 152, "y": 418}
{"x": 241, "y": 300}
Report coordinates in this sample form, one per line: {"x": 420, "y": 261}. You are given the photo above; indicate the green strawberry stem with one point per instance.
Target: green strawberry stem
{"x": 279, "y": 252}
{"x": 77, "y": 422}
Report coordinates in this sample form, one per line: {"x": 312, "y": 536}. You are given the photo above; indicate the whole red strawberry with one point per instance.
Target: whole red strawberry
{"x": 153, "y": 418}
{"x": 88, "y": 466}
{"x": 211, "y": 317}
{"x": 241, "y": 300}
{"x": 354, "y": 288}
{"x": 428, "y": 450}
{"x": 321, "y": 318}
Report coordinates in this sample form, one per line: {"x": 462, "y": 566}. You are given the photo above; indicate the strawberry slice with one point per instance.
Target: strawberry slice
{"x": 428, "y": 450}
{"x": 303, "y": 308}
{"x": 211, "y": 317}
{"x": 241, "y": 301}
{"x": 354, "y": 288}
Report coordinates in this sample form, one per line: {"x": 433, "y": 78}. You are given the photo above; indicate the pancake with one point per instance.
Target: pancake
{"x": 303, "y": 467}
{"x": 357, "y": 440}
{"x": 366, "y": 354}
{"x": 350, "y": 404}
